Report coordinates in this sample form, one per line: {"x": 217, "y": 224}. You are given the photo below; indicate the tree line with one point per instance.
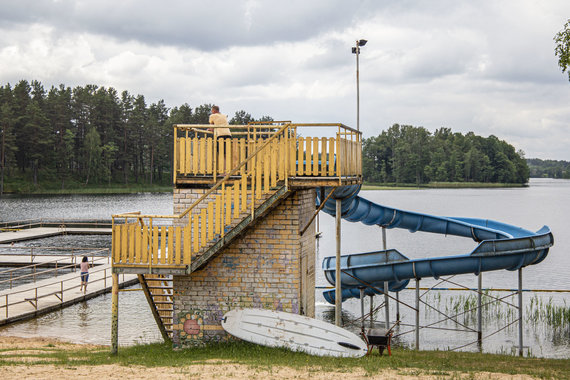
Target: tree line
{"x": 408, "y": 154}
{"x": 548, "y": 168}
{"x": 90, "y": 134}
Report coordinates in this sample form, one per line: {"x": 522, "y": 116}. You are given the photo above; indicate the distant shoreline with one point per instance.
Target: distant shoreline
{"x": 440, "y": 185}
{"x": 168, "y": 189}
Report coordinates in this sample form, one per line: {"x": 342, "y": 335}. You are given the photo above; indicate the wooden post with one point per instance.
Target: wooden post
{"x": 115, "y": 315}
{"x": 338, "y": 289}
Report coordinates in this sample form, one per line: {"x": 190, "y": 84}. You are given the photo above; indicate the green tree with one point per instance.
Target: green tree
{"x": 562, "y": 49}
{"x": 93, "y": 152}
{"x": 241, "y": 118}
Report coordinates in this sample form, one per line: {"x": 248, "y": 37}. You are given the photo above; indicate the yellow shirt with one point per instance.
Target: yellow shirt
{"x": 219, "y": 119}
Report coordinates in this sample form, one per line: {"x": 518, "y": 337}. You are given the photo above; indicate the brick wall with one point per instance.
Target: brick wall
{"x": 271, "y": 266}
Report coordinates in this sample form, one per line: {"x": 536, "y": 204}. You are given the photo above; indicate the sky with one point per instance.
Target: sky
{"x": 484, "y": 66}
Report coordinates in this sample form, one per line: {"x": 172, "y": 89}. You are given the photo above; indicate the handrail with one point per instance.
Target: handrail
{"x": 253, "y": 168}
{"x": 6, "y": 296}
{"x": 233, "y": 171}
{"x": 56, "y": 269}
{"x": 213, "y": 188}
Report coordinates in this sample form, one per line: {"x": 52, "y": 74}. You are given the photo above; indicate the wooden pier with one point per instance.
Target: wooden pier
{"x": 12, "y": 232}
{"x": 56, "y": 292}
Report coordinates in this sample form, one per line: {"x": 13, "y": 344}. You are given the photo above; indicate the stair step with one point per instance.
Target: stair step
{"x": 161, "y": 287}
{"x": 163, "y": 302}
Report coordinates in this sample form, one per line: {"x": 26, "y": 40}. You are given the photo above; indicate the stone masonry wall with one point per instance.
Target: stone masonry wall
{"x": 270, "y": 266}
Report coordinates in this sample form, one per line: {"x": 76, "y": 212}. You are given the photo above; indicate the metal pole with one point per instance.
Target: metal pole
{"x": 417, "y": 314}
{"x": 520, "y": 314}
{"x": 115, "y": 315}
{"x": 371, "y": 310}
{"x": 479, "y": 312}
{"x": 357, "y": 89}
{"x": 397, "y": 306}
{"x": 386, "y": 298}
{"x": 338, "y": 290}
{"x": 362, "y": 306}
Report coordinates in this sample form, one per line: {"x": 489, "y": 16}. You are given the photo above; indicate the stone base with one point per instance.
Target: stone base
{"x": 271, "y": 266}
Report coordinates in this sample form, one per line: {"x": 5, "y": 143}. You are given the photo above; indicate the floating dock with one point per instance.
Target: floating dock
{"x": 39, "y": 297}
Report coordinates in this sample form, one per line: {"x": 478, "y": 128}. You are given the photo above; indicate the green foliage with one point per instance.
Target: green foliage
{"x": 87, "y": 135}
{"x": 548, "y": 168}
{"x": 405, "y": 154}
{"x": 562, "y": 49}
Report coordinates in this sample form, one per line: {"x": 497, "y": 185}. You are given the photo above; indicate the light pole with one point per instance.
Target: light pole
{"x": 356, "y": 50}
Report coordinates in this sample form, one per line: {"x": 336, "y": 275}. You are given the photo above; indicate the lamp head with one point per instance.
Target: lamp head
{"x": 362, "y": 42}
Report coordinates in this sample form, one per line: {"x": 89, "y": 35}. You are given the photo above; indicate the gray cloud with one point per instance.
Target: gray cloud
{"x": 484, "y": 66}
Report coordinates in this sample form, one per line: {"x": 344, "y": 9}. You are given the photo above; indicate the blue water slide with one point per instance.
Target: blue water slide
{"x": 500, "y": 246}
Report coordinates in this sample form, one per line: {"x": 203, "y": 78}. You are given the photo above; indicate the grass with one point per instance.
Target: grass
{"x": 436, "y": 363}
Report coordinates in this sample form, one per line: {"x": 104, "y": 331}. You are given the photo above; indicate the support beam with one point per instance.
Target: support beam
{"x": 398, "y": 306}
{"x": 115, "y": 315}
{"x": 371, "y": 310}
{"x": 479, "y": 312}
{"x": 338, "y": 289}
{"x": 417, "y": 314}
{"x": 520, "y": 314}
{"x": 386, "y": 298}
{"x": 362, "y": 307}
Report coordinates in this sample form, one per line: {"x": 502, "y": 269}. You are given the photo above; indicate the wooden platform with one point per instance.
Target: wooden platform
{"x": 44, "y": 232}
{"x": 34, "y": 299}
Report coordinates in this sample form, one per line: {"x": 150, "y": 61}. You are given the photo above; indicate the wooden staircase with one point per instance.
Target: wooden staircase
{"x": 267, "y": 166}
{"x": 160, "y": 297}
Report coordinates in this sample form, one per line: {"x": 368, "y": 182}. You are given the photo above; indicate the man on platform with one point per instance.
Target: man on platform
{"x": 216, "y": 118}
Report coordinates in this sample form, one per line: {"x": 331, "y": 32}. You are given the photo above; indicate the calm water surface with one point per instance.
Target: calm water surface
{"x": 545, "y": 202}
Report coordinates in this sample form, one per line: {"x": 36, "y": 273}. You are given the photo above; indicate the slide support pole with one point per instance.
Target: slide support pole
{"x": 520, "y": 314}
{"x": 386, "y": 298}
{"x": 362, "y": 307}
{"x": 338, "y": 290}
{"x": 479, "y": 312}
{"x": 417, "y": 314}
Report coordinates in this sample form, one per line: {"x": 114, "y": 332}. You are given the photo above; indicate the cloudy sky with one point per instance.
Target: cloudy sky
{"x": 485, "y": 66}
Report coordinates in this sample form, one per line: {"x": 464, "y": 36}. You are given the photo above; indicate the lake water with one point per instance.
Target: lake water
{"x": 544, "y": 202}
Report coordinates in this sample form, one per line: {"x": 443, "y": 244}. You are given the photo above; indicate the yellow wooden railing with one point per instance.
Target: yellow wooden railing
{"x": 267, "y": 159}
{"x": 197, "y": 153}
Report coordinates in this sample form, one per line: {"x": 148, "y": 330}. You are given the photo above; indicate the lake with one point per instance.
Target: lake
{"x": 544, "y": 202}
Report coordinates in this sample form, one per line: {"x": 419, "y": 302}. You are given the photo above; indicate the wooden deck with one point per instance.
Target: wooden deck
{"x": 8, "y": 237}
{"x": 43, "y": 296}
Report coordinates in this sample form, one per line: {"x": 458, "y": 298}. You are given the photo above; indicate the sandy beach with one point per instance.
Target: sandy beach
{"x": 21, "y": 358}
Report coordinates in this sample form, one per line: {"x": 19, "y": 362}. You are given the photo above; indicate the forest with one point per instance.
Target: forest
{"x": 90, "y": 135}
{"x": 405, "y": 154}
{"x": 67, "y": 137}
{"x": 548, "y": 168}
